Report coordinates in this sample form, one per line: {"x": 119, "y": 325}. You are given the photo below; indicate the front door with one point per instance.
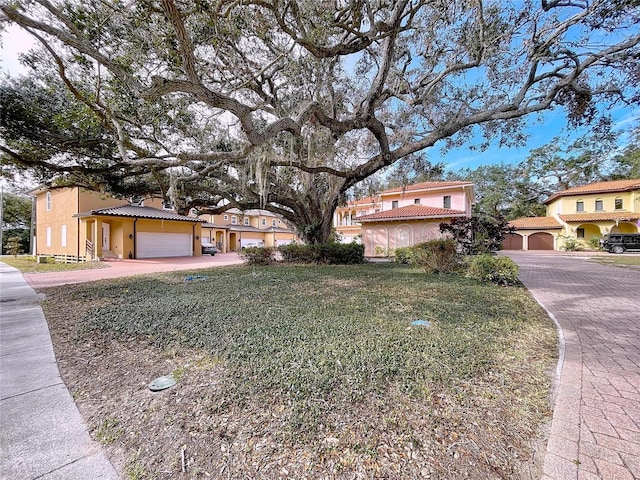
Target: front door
{"x": 106, "y": 235}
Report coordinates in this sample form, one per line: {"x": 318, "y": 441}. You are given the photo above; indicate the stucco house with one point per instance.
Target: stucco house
{"x": 75, "y": 224}
{"x": 580, "y": 214}
{"x": 401, "y": 217}
{"x": 235, "y": 229}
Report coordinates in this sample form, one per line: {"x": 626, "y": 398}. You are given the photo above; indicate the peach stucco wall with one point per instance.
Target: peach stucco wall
{"x": 384, "y": 237}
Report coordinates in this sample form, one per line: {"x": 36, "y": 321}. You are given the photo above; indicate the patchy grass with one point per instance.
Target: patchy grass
{"x": 28, "y": 264}
{"x": 624, "y": 260}
{"x": 299, "y": 372}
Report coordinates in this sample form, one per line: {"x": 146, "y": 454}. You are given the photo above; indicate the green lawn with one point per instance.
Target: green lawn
{"x": 624, "y": 260}
{"x": 311, "y": 369}
{"x": 27, "y": 264}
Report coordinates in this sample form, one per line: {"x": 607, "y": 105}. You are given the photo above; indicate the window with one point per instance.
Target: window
{"x": 167, "y": 205}
{"x": 48, "y": 236}
{"x": 263, "y": 222}
{"x": 234, "y": 220}
{"x": 63, "y": 236}
{"x": 377, "y": 210}
{"x": 579, "y": 206}
{"x": 226, "y": 217}
{"x": 446, "y": 201}
{"x": 394, "y": 204}
{"x": 273, "y": 222}
{"x": 599, "y": 206}
{"x": 48, "y": 202}
{"x": 246, "y": 220}
{"x": 580, "y": 232}
{"x": 416, "y": 201}
{"x": 619, "y": 204}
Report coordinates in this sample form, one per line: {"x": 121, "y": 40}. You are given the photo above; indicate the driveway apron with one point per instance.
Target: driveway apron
{"x": 595, "y": 431}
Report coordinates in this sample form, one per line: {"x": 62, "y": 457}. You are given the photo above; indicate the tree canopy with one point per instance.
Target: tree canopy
{"x": 286, "y": 104}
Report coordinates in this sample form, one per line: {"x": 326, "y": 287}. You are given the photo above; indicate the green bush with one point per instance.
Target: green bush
{"x": 435, "y": 256}
{"x": 331, "y": 253}
{"x": 488, "y": 268}
{"x": 403, "y": 255}
{"x": 258, "y": 255}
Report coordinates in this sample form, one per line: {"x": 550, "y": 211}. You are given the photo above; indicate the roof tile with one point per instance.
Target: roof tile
{"x": 139, "y": 212}
{"x": 599, "y": 187}
{"x": 535, "y": 223}
{"x": 599, "y": 216}
{"x": 411, "y": 212}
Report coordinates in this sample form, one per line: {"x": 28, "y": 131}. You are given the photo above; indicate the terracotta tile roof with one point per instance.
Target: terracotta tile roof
{"x": 599, "y": 187}
{"x": 426, "y": 186}
{"x": 363, "y": 201}
{"x": 535, "y": 223}
{"x": 410, "y": 212}
{"x": 138, "y": 212}
{"x": 214, "y": 225}
{"x": 599, "y": 216}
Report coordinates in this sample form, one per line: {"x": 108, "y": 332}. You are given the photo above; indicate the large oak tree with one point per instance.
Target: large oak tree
{"x": 286, "y": 104}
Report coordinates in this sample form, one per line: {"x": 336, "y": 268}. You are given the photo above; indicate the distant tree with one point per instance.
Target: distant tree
{"x": 627, "y": 163}
{"x": 478, "y": 234}
{"x": 14, "y": 246}
{"x": 286, "y": 105}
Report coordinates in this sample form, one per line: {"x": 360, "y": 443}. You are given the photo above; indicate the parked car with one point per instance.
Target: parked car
{"x": 257, "y": 243}
{"x": 621, "y": 242}
{"x": 209, "y": 249}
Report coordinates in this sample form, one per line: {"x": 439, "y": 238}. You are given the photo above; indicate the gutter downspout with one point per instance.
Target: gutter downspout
{"x": 135, "y": 236}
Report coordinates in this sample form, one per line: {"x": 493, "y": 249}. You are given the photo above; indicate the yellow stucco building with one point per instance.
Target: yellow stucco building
{"x": 580, "y": 215}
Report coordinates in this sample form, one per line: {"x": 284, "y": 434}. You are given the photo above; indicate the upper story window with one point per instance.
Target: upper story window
{"x": 167, "y": 205}
{"x": 226, "y": 218}
{"x": 446, "y": 201}
{"x": 63, "y": 236}
{"x": 580, "y": 232}
{"x": 416, "y": 201}
{"x": 246, "y": 220}
{"x": 394, "y": 204}
{"x": 264, "y": 221}
{"x": 619, "y": 204}
{"x": 48, "y": 197}
{"x": 273, "y": 222}
{"x": 234, "y": 220}
{"x": 579, "y": 206}
{"x": 599, "y": 206}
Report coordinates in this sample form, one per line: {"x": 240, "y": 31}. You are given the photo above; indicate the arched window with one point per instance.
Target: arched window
{"x": 580, "y": 206}
{"x": 599, "y": 205}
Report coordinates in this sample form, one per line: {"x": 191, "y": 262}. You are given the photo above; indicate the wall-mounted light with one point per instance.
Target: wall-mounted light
{"x": 131, "y": 236}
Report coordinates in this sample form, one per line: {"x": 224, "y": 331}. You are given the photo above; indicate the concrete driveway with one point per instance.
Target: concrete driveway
{"x": 127, "y": 268}
{"x": 595, "y": 433}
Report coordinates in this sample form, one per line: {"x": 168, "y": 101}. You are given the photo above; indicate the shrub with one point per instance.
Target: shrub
{"x": 258, "y": 255}
{"x": 403, "y": 255}
{"x": 332, "y": 253}
{"x": 571, "y": 244}
{"x": 435, "y": 256}
{"x": 595, "y": 242}
{"x": 488, "y": 268}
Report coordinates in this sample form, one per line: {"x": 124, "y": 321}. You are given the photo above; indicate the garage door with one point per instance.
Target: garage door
{"x": 151, "y": 245}
{"x": 512, "y": 241}
{"x": 541, "y": 241}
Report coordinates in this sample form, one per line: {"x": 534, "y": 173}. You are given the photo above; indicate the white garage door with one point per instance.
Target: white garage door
{"x": 152, "y": 245}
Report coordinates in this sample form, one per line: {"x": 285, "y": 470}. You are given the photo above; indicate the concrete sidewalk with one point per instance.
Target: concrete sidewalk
{"x": 595, "y": 431}
{"x": 42, "y": 435}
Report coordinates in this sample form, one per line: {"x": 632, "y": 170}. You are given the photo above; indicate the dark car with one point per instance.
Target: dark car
{"x": 621, "y": 242}
{"x": 209, "y": 249}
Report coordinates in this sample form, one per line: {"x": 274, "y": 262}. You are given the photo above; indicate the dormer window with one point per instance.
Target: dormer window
{"x": 579, "y": 206}
{"x": 619, "y": 204}
{"x": 599, "y": 205}
{"x": 246, "y": 220}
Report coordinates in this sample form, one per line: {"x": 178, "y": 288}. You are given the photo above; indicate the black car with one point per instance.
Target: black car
{"x": 209, "y": 249}
{"x": 621, "y": 242}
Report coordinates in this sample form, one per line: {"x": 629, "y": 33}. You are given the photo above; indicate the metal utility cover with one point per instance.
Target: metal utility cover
{"x": 162, "y": 383}
{"x": 424, "y": 323}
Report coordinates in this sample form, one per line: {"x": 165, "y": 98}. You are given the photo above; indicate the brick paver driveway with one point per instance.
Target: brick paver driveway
{"x": 595, "y": 432}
